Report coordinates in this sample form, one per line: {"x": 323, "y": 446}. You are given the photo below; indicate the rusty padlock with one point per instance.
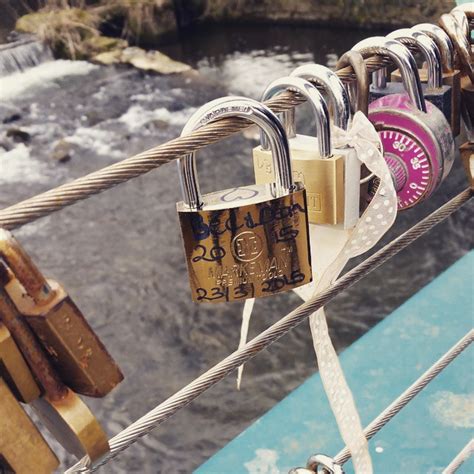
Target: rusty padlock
{"x": 23, "y": 449}
{"x": 14, "y": 369}
{"x": 62, "y": 411}
{"x": 80, "y": 358}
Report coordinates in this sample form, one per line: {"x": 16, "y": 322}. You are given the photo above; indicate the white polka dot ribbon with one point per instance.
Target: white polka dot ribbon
{"x": 374, "y": 223}
{"x": 331, "y": 249}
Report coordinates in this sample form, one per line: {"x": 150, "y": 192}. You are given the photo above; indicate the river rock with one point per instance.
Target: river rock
{"x": 152, "y": 61}
{"x": 99, "y": 44}
{"x": 62, "y": 151}
{"x": 18, "y": 135}
{"x": 109, "y": 57}
{"x": 9, "y": 113}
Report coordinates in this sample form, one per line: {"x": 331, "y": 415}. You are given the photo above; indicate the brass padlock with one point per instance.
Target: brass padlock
{"x": 14, "y": 369}
{"x": 63, "y": 412}
{"x": 249, "y": 241}
{"x": 22, "y": 448}
{"x": 77, "y": 353}
{"x": 340, "y": 104}
{"x": 71, "y": 422}
{"x": 332, "y": 181}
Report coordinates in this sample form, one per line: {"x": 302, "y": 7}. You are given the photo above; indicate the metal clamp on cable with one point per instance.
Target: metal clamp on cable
{"x": 319, "y": 464}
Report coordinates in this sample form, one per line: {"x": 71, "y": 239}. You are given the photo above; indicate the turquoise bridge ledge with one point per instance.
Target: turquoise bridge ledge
{"x": 424, "y": 437}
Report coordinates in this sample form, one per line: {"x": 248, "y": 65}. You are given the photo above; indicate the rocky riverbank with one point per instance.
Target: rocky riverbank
{"x": 153, "y": 22}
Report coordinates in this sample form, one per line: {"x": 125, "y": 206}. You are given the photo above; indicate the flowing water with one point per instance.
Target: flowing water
{"x": 119, "y": 254}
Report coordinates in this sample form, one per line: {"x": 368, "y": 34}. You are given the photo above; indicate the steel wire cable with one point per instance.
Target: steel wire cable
{"x": 460, "y": 458}
{"x": 94, "y": 183}
{"x": 383, "y": 418}
{"x": 187, "y": 394}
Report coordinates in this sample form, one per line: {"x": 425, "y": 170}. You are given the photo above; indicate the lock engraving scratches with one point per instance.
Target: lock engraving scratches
{"x": 249, "y": 251}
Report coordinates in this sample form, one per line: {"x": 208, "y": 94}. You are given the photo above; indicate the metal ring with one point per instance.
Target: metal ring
{"x": 355, "y": 59}
{"x": 402, "y": 58}
{"x": 314, "y": 97}
{"x": 322, "y": 463}
{"x": 333, "y": 86}
{"x": 249, "y": 109}
{"x": 428, "y": 48}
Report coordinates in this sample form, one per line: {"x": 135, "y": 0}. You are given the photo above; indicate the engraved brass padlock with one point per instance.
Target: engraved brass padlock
{"x": 62, "y": 411}
{"x": 22, "y": 448}
{"x": 77, "y": 353}
{"x": 14, "y": 369}
{"x": 249, "y": 241}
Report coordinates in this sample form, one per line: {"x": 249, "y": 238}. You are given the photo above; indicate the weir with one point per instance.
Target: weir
{"x": 23, "y": 54}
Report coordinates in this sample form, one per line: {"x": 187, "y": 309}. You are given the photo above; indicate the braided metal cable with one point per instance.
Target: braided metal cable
{"x": 460, "y": 458}
{"x": 191, "y": 391}
{"x": 94, "y": 183}
{"x": 383, "y": 418}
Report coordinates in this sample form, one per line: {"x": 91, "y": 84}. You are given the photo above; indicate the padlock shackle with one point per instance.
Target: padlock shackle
{"x": 427, "y": 48}
{"x": 462, "y": 20}
{"x": 467, "y": 8}
{"x": 28, "y": 343}
{"x": 320, "y": 110}
{"x": 249, "y": 109}
{"x": 24, "y": 269}
{"x": 355, "y": 59}
{"x": 403, "y": 59}
{"x": 334, "y": 88}
{"x": 461, "y": 44}
{"x": 442, "y": 40}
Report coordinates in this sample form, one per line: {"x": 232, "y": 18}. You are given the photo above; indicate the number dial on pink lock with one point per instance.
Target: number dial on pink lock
{"x": 409, "y": 166}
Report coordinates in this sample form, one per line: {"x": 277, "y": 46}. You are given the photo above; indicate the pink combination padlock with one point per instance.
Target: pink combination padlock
{"x": 417, "y": 139}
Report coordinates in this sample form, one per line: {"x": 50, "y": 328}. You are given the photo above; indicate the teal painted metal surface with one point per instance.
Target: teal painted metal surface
{"x": 424, "y": 437}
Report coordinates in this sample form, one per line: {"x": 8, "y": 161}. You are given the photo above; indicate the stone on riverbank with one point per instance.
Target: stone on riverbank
{"x": 153, "y": 61}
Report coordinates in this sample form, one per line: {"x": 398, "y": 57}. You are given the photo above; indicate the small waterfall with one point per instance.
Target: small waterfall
{"x": 22, "y": 54}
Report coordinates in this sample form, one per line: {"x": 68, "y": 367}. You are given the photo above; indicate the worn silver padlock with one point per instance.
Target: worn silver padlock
{"x": 314, "y": 162}
{"x": 438, "y": 94}
{"x": 250, "y": 241}
{"x": 451, "y": 76}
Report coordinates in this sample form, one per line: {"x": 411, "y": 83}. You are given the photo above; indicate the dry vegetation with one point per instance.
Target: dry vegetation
{"x": 73, "y": 27}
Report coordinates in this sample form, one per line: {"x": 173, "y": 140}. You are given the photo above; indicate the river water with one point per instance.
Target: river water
{"x": 119, "y": 254}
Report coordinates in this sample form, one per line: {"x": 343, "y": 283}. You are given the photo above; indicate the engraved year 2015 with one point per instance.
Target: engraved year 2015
{"x": 276, "y": 284}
